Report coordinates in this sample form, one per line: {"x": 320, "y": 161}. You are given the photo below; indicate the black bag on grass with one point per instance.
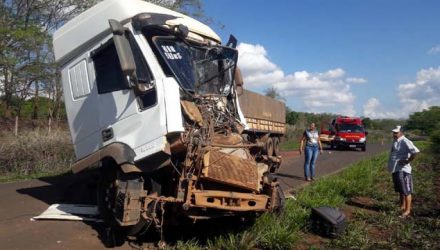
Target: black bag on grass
{"x": 327, "y": 221}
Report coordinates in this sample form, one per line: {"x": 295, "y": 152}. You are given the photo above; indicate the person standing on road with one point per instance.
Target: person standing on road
{"x": 312, "y": 146}
{"x": 402, "y": 153}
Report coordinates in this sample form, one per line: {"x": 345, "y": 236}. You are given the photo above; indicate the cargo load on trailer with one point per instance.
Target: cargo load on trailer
{"x": 266, "y": 122}
{"x": 152, "y": 103}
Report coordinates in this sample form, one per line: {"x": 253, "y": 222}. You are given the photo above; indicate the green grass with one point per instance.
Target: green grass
{"x": 284, "y": 231}
{"x": 420, "y": 232}
{"x": 379, "y": 136}
{"x": 378, "y": 229}
{"x": 21, "y": 177}
{"x": 290, "y": 145}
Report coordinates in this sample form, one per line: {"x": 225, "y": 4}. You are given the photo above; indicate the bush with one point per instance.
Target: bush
{"x": 36, "y": 153}
{"x": 435, "y": 139}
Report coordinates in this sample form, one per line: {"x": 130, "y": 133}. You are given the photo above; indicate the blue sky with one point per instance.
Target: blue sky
{"x": 369, "y": 58}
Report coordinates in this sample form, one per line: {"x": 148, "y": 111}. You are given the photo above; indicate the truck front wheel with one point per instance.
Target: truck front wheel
{"x": 277, "y": 200}
{"x": 111, "y": 197}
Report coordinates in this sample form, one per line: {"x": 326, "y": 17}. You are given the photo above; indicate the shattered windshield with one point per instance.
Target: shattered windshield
{"x": 201, "y": 70}
{"x": 350, "y": 128}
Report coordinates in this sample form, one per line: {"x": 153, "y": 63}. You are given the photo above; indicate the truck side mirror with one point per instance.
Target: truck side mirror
{"x": 123, "y": 49}
{"x": 366, "y": 132}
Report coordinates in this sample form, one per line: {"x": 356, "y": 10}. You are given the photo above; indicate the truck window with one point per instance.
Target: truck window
{"x": 109, "y": 76}
{"x": 201, "y": 70}
{"x": 144, "y": 75}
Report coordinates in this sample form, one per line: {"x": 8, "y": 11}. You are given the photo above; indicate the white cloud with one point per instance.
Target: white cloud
{"x": 254, "y": 57}
{"x": 318, "y": 91}
{"x": 374, "y": 109}
{"x": 434, "y": 50}
{"x": 423, "y": 93}
{"x": 413, "y": 96}
{"x": 333, "y": 74}
{"x": 356, "y": 80}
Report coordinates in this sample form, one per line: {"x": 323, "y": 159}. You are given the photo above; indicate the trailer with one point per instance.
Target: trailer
{"x": 265, "y": 118}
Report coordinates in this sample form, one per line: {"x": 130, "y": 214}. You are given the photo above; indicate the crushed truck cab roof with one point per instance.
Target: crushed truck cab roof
{"x": 92, "y": 25}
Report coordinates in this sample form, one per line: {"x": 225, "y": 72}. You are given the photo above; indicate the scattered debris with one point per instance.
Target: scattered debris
{"x": 73, "y": 212}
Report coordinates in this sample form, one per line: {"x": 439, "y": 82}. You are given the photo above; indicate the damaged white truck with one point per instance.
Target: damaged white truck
{"x": 152, "y": 102}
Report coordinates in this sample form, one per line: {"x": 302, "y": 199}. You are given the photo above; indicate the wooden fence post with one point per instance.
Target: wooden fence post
{"x": 16, "y": 126}
{"x": 50, "y": 124}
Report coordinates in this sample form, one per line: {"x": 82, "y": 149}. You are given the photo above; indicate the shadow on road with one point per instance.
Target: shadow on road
{"x": 70, "y": 189}
{"x": 289, "y": 176}
{"x": 65, "y": 188}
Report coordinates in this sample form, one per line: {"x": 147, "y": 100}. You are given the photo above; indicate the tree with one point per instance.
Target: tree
{"x": 26, "y": 63}
{"x": 292, "y": 117}
{"x": 273, "y": 92}
{"x": 427, "y": 121}
{"x": 27, "y": 67}
{"x": 367, "y": 123}
{"x": 20, "y": 44}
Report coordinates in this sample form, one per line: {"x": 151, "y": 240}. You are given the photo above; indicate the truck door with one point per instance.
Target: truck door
{"x": 123, "y": 115}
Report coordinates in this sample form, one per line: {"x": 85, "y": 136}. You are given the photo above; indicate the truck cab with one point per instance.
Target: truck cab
{"x": 152, "y": 106}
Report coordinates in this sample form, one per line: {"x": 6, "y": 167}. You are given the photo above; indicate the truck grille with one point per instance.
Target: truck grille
{"x": 231, "y": 170}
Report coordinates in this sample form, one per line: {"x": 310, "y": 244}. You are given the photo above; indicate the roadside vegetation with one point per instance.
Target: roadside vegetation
{"x": 34, "y": 153}
{"x": 364, "y": 192}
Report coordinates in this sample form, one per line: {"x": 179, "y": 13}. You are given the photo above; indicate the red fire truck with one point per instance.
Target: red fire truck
{"x": 344, "y": 132}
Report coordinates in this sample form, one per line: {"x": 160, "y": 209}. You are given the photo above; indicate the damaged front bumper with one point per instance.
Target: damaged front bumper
{"x": 231, "y": 201}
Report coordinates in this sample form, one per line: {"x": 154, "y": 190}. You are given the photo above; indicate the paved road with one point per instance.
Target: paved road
{"x": 22, "y": 200}
{"x": 291, "y": 172}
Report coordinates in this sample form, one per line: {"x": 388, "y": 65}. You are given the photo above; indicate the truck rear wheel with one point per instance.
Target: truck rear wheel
{"x": 269, "y": 147}
{"x": 276, "y": 146}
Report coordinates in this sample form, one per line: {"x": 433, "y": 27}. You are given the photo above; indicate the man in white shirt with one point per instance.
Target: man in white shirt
{"x": 402, "y": 153}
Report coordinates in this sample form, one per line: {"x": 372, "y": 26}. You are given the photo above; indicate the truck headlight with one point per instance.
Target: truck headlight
{"x": 363, "y": 139}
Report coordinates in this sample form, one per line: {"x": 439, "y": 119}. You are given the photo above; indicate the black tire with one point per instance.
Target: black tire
{"x": 114, "y": 235}
{"x": 278, "y": 200}
{"x": 364, "y": 148}
{"x": 106, "y": 198}
{"x": 276, "y": 146}
{"x": 269, "y": 147}
{"x": 106, "y": 188}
